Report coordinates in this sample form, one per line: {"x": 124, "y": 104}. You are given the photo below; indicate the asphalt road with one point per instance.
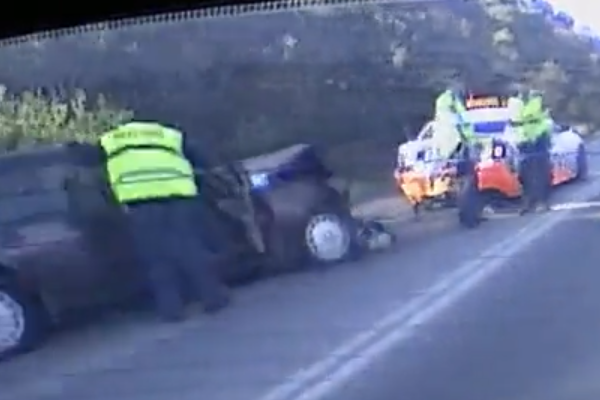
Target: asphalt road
{"x": 531, "y": 332}
{"x": 319, "y": 334}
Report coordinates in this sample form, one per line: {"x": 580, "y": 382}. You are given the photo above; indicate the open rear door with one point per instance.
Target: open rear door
{"x": 231, "y": 194}
{"x": 249, "y": 213}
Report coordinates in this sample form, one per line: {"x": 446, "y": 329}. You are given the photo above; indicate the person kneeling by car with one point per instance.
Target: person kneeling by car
{"x": 151, "y": 173}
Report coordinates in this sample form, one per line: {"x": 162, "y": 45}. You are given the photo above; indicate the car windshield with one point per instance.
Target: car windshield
{"x": 267, "y": 201}
{"x": 426, "y": 132}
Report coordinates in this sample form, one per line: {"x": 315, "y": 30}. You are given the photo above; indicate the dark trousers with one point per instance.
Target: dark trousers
{"x": 535, "y": 174}
{"x": 171, "y": 251}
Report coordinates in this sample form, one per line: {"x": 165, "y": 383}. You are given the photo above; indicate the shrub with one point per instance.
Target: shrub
{"x": 31, "y": 118}
{"x": 350, "y": 79}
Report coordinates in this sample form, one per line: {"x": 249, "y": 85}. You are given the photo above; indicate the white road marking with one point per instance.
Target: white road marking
{"x": 354, "y": 356}
{"x": 575, "y": 205}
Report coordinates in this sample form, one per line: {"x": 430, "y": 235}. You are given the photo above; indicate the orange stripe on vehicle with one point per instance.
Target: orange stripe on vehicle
{"x": 498, "y": 176}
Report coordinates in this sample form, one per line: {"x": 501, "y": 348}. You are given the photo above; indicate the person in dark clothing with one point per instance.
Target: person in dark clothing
{"x": 533, "y": 128}
{"x": 170, "y": 259}
{"x": 151, "y": 174}
{"x": 535, "y": 175}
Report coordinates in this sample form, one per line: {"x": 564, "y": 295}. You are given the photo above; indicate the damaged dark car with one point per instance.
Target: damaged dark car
{"x": 65, "y": 246}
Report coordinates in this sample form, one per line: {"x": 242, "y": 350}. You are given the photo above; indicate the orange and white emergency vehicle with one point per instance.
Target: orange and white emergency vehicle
{"x": 425, "y": 179}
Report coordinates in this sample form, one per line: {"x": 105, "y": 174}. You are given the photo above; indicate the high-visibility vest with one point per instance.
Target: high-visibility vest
{"x": 532, "y": 120}
{"x": 146, "y": 161}
{"x": 536, "y": 118}
{"x": 450, "y": 126}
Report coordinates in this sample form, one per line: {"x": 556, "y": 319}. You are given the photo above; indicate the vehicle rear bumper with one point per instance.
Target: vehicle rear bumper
{"x": 418, "y": 188}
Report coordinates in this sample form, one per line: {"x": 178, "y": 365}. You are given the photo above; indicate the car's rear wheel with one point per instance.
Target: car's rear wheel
{"x": 22, "y": 325}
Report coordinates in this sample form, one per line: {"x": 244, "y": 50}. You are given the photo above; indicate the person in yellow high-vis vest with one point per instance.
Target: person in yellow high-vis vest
{"x": 451, "y": 128}
{"x": 150, "y": 171}
{"x": 455, "y": 140}
{"x": 532, "y": 125}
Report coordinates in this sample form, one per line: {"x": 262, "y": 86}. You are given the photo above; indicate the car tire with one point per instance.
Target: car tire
{"x": 582, "y": 164}
{"x": 292, "y": 247}
{"x": 23, "y": 325}
{"x": 330, "y": 236}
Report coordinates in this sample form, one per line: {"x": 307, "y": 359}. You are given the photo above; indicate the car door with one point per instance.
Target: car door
{"x": 37, "y": 231}
{"x": 570, "y": 146}
{"x": 562, "y": 160}
{"x": 238, "y": 200}
{"x": 413, "y": 152}
{"x": 230, "y": 220}
{"x": 112, "y": 268}
{"x": 425, "y": 137}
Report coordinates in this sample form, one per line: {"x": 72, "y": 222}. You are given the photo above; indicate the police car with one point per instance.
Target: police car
{"x": 498, "y": 168}
{"x": 421, "y": 176}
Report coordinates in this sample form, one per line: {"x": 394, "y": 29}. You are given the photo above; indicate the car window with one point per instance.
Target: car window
{"x": 88, "y": 193}
{"x": 32, "y": 205}
{"x": 560, "y": 128}
{"x": 31, "y": 180}
{"x": 426, "y": 132}
{"x": 31, "y": 192}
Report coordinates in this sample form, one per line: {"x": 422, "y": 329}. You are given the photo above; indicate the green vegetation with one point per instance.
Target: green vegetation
{"x": 354, "y": 81}
{"x": 31, "y": 118}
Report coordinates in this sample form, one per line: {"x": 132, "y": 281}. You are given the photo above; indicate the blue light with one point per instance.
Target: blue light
{"x": 259, "y": 180}
{"x": 489, "y": 127}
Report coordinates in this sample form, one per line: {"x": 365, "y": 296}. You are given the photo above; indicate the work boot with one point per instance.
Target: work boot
{"x": 487, "y": 211}
{"x": 527, "y": 205}
{"x": 525, "y": 210}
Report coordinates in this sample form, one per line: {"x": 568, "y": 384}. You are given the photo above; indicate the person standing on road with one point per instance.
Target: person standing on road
{"x": 151, "y": 173}
{"x": 455, "y": 137}
{"x": 532, "y": 126}
{"x": 456, "y": 140}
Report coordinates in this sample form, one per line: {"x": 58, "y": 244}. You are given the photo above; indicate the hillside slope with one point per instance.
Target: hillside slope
{"x": 354, "y": 80}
